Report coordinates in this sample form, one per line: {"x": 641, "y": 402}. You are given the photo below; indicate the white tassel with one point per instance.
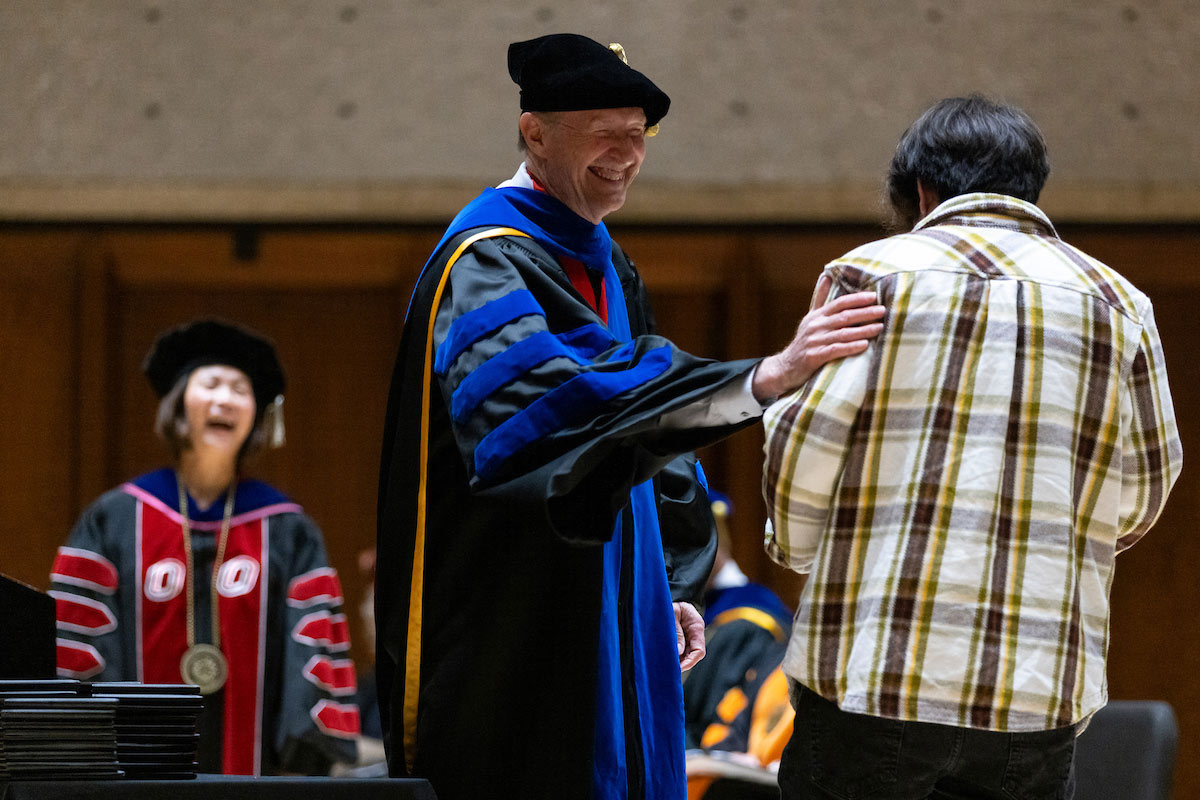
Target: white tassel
{"x": 276, "y": 437}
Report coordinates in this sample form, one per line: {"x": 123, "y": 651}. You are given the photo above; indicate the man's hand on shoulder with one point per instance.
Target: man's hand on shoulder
{"x": 828, "y": 332}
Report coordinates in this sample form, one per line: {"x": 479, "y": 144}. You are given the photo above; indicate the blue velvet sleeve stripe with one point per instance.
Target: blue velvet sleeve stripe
{"x": 574, "y": 400}
{"x": 506, "y": 367}
{"x": 590, "y": 340}
{"x": 474, "y": 325}
{"x": 702, "y": 479}
{"x": 627, "y": 350}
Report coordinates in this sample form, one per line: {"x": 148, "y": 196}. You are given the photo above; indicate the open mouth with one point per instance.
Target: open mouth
{"x": 221, "y": 425}
{"x": 603, "y": 173}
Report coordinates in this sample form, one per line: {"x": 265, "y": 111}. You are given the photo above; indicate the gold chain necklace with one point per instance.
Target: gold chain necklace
{"x": 204, "y": 665}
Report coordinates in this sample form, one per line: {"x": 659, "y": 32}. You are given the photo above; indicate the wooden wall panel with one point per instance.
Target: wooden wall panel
{"x": 334, "y": 305}
{"x": 253, "y": 257}
{"x": 96, "y": 380}
{"x": 38, "y": 460}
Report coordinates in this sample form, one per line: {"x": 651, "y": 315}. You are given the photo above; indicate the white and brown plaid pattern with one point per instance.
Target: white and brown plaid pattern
{"x": 960, "y": 491}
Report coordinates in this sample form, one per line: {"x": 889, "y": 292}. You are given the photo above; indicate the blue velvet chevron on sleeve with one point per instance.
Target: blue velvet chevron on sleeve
{"x": 570, "y": 403}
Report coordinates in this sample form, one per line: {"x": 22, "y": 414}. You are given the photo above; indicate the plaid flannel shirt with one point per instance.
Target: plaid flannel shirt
{"x": 959, "y": 492}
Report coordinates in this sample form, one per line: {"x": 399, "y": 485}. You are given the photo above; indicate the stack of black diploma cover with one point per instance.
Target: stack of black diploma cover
{"x": 62, "y": 729}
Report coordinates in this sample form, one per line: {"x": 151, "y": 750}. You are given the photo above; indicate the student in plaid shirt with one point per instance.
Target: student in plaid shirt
{"x": 959, "y": 492}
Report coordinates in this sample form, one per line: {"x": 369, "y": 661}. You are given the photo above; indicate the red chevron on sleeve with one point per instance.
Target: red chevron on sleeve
{"x": 82, "y": 614}
{"x": 335, "y": 676}
{"x": 78, "y": 660}
{"x": 321, "y": 628}
{"x": 337, "y": 719}
{"x": 316, "y": 586}
{"x": 84, "y": 568}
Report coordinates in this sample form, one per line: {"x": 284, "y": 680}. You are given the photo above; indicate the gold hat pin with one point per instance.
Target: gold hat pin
{"x": 620, "y": 51}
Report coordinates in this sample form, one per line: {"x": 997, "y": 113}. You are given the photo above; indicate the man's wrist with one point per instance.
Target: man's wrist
{"x": 764, "y": 383}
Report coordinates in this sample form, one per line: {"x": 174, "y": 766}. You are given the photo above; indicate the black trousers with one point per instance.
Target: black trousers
{"x": 837, "y": 754}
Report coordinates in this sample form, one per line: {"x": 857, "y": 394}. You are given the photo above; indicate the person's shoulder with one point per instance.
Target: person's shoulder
{"x": 1097, "y": 278}
{"x": 623, "y": 264}
{"x": 510, "y": 251}
{"x": 258, "y": 496}
{"x": 158, "y": 485}
{"x": 288, "y": 521}
{"x": 902, "y": 252}
{"x": 750, "y": 595}
{"x": 517, "y": 244}
{"x": 112, "y": 500}
{"x": 113, "y": 510}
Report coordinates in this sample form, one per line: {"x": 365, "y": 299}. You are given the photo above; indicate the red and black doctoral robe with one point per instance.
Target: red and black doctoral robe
{"x": 119, "y": 586}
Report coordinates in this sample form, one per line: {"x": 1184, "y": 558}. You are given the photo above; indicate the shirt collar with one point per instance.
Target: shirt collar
{"x": 982, "y": 209}
{"x": 522, "y": 179}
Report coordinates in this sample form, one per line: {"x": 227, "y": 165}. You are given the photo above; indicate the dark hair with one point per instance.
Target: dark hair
{"x": 967, "y": 144}
{"x": 171, "y": 425}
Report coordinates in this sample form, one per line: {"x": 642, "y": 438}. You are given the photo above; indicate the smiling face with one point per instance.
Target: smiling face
{"x": 586, "y": 159}
{"x": 219, "y": 406}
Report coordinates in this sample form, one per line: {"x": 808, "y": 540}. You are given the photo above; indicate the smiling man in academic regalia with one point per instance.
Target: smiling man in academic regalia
{"x": 542, "y": 526}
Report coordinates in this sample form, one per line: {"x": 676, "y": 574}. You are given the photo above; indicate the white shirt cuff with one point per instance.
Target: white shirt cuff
{"x": 732, "y": 403}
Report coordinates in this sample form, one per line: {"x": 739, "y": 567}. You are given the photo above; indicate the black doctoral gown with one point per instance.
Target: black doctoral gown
{"x": 516, "y": 583}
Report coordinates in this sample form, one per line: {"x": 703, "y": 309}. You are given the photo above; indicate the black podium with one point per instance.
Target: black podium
{"x": 26, "y": 631}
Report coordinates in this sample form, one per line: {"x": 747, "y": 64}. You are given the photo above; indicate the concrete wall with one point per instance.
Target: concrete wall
{"x": 400, "y": 109}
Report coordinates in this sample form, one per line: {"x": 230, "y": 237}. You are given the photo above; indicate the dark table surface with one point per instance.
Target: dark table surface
{"x": 224, "y": 787}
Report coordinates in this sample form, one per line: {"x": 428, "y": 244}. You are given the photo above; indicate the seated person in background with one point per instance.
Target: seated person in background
{"x": 728, "y": 587}
{"x": 755, "y": 719}
{"x": 746, "y": 631}
{"x": 194, "y": 574}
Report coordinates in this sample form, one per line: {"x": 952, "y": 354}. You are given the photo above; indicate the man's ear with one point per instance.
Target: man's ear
{"x": 927, "y": 197}
{"x": 533, "y": 129}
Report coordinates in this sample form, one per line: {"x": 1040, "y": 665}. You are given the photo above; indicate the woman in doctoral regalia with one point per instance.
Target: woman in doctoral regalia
{"x": 195, "y": 574}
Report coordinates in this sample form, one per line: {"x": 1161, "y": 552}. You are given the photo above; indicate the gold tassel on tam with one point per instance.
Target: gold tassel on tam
{"x": 273, "y": 419}
{"x": 616, "y": 47}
